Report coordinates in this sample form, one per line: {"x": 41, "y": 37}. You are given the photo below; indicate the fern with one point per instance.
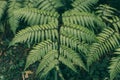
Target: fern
{"x": 66, "y": 36}
{"x": 108, "y": 40}
{"x": 36, "y": 34}
{"x": 3, "y": 5}
{"x": 83, "y": 18}
{"x": 83, "y": 5}
{"x": 12, "y": 6}
{"x": 115, "y": 23}
{"x": 82, "y": 33}
{"x": 74, "y": 43}
{"x": 105, "y": 11}
{"x": 67, "y": 62}
{"x": 31, "y": 16}
{"x": 49, "y": 5}
{"x": 34, "y": 16}
{"x": 72, "y": 56}
{"x": 114, "y": 68}
{"x": 39, "y": 51}
{"x": 48, "y": 61}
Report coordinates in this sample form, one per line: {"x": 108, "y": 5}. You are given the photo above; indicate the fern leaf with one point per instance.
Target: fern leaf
{"x": 114, "y": 67}
{"x": 67, "y": 62}
{"x": 84, "y": 5}
{"x": 72, "y": 56}
{"x": 108, "y": 40}
{"x": 34, "y": 16}
{"x": 29, "y": 3}
{"x": 115, "y": 23}
{"x": 49, "y": 68}
{"x": 12, "y": 6}
{"x": 74, "y": 43}
{"x": 117, "y": 51}
{"x": 3, "y": 5}
{"x": 38, "y": 52}
{"x": 82, "y": 33}
{"x": 48, "y": 61}
{"x": 84, "y": 19}
{"x": 105, "y": 11}
{"x": 109, "y": 15}
{"x": 49, "y": 5}
{"x": 36, "y": 34}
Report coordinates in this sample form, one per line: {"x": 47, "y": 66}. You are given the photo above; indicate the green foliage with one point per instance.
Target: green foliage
{"x": 85, "y": 19}
{"x": 3, "y": 5}
{"x": 36, "y": 33}
{"x": 108, "y": 40}
{"x": 65, "y": 38}
{"x": 115, "y": 65}
{"x": 83, "y": 5}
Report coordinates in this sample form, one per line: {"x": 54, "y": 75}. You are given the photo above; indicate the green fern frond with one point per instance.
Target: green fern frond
{"x": 72, "y": 56}
{"x": 48, "y": 61}
{"x": 117, "y": 51}
{"x": 35, "y": 16}
{"x": 84, "y": 5}
{"x": 49, "y": 68}
{"x": 48, "y": 5}
{"x": 29, "y": 3}
{"x": 108, "y": 40}
{"x": 115, "y": 23}
{"x": 108, "y": 15}
{"x": 36, "y": 34}
{"x": 67, "y": 62}
{"x": 38, "y": 52}
{"x": 3, "y": 5}
{"x": 105, "y": 11}
{"x": 83, "y": 18}
{"x": 74, "y": 43}
{"x": 114, "y": 67}
{"x": 12, "y": 6}
{"x": 82, "y": 33}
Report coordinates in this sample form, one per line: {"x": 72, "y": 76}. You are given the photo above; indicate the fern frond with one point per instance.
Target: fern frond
{"x": 108, "y": 15}
{"x": 12, "y": 6}
{"x": 48, "y": 62}
{"x": 48, "y": 5}
{"x": 35, "y": 16}
{"x": 105, "y": 11}
{"x": 82, "y": 33}
{"x": 29, "y": 3}
{"x": 83, "y": 18}
{"x": 74, "y": 43}
{"x": 84, "y": 5}
{"x": 72, "y": 56}
{"x": 3, "y": 5}
{"x": 117, "y": 51}
{"x": 38, "y": 52}
{"x": 49, "y": 68}
{"x": 108, "y": 40}
{"x": 115, "y": 23}
{"x": 114, "y": 67}
{"x": 67, "y": 62}
{"x": 36, "y": 34}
